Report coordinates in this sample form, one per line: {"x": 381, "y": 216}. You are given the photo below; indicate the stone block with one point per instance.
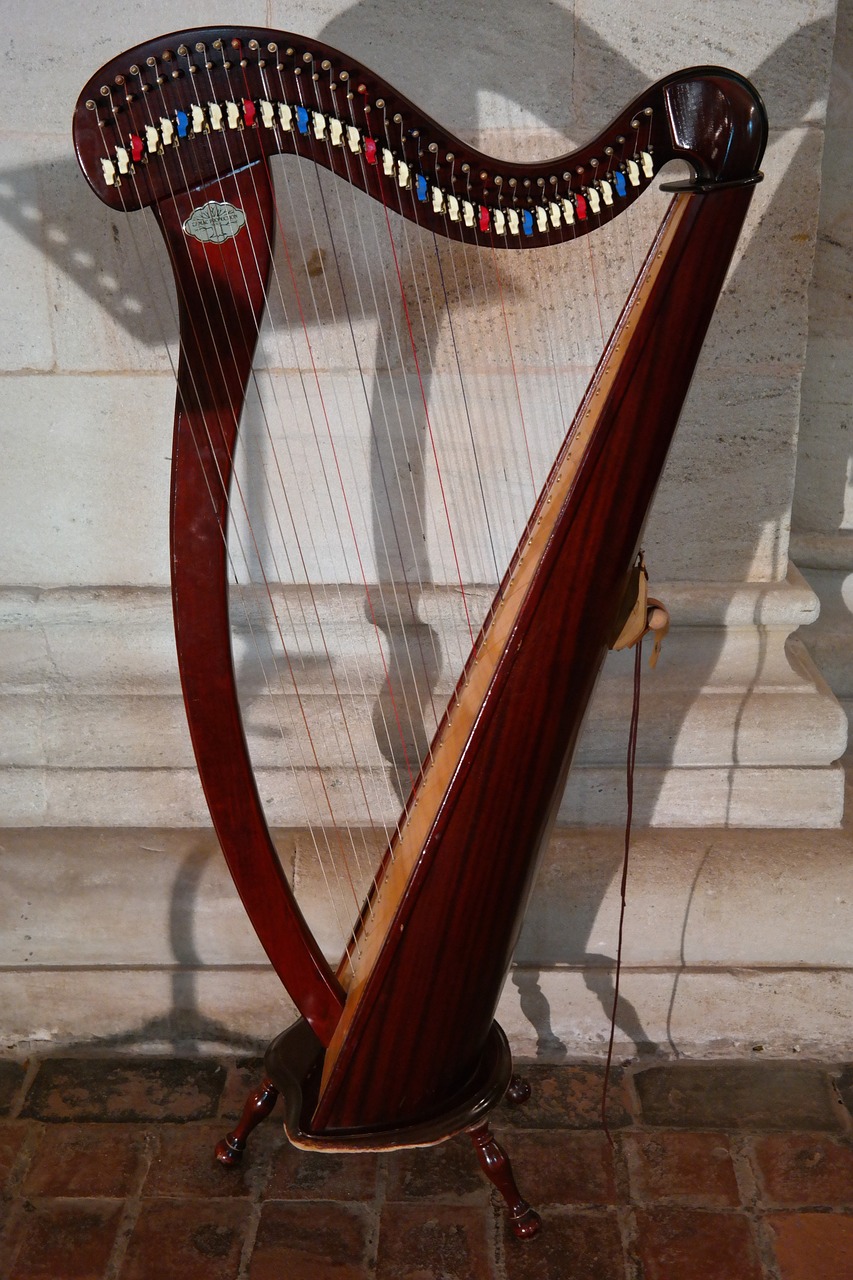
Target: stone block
{"x": 26, "y": 304}
{"x": 85, "y": 481}
{"x": 101, "y": 31}
{"x": 787, "y": 58}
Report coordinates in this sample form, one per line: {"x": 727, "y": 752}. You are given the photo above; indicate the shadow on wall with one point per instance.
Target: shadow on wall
{"x": 546, "y": 63}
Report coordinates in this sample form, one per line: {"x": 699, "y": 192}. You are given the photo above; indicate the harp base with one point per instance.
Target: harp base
{"x": 292, "y": 1066}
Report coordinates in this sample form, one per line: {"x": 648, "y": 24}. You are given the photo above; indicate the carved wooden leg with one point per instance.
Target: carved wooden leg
{"x": 258, "y": 1106}
{"x": 517, "y": 1091}
{"x": 494, "y": 1162}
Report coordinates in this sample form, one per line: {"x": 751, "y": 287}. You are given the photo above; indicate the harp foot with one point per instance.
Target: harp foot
{"x": 524, "y": 1222}
{"x": 517, "y": 1091}
{"x": 257, "y": 1107}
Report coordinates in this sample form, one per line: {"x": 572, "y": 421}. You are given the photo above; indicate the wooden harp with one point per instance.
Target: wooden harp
{"x": 397, "y": 1044}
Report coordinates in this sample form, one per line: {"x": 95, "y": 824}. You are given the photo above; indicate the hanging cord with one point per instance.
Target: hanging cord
{"x": 632, "y": 755}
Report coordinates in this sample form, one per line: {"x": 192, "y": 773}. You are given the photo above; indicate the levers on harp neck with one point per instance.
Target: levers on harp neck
{"x": 567, "y": 209}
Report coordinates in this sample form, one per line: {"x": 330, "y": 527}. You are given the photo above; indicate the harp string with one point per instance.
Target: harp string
{"x": 280, "y": 637}
{"x": 252, "y": 628}
{"x": 426, "y": 361}
{"x": 263, "y": 612}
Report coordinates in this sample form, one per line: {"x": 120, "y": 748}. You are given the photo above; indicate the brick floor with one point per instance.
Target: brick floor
{"x": 717, "y": 1171}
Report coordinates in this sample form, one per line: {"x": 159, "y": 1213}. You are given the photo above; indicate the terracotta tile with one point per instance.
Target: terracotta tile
{"x": 570, "y": 1246}
{"x": 86, "y": 1160}
{"x": 435, "y": 1242}
{"x": 562, "y": 1167}
{"x": 449, "y": 1172}
{"x": 186, "y": 1240}
{"x": 813, "y": 1246}
{"x": 681, "y": 1168}
{"x": 692, "y": 1245}
{"x": 844, "y": 1085}
{"x": 567, "y": 1097}
{"x": 316, "y": 1175}
{"x": 184, "y": 1164}
{"x": 242, "y": 1076}
{"x": 98, "y": 1089}
{"x": 805, "y": 1169}
{"x": 737, "y": 1095}
{"x": 13, "y": 1135}
{"x": 71, "y": 1239}
{"x": 312, "y": 1241}
{"x": 11, "y": 1078}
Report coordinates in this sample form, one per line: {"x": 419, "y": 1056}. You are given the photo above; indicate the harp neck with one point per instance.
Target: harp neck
{"x": 192, "y": 107}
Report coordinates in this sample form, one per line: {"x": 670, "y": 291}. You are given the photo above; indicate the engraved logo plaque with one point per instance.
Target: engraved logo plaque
{"x": 215, "y": 222}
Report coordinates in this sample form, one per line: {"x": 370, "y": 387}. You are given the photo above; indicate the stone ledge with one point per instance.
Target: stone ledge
{"x": 738, "y": 727}
{"x": 734, "y": 939}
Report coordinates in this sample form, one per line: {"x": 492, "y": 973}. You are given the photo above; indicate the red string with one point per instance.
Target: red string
{"x": 632, "y": 755}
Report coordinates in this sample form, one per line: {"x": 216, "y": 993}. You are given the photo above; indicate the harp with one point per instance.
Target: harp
{"x": 396, "y": 1043}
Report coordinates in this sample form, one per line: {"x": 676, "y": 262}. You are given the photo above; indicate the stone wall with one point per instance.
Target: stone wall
{"x": 88, "y": 687}
{"x": 134, "y": 935}
{"x": 822, "y": 539}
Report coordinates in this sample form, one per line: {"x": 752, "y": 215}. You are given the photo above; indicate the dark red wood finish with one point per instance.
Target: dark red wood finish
{"x": 462, "y": 910}
{"x": 466, "y": 897}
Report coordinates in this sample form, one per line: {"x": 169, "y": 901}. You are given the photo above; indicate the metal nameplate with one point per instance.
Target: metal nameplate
{"x": 215, "y": 222}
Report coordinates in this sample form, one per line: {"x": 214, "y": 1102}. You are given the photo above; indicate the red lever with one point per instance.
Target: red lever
{"x": 249, "y": 111}
{"x": 136, "y": 147}
{"x": 370, "y": 150}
